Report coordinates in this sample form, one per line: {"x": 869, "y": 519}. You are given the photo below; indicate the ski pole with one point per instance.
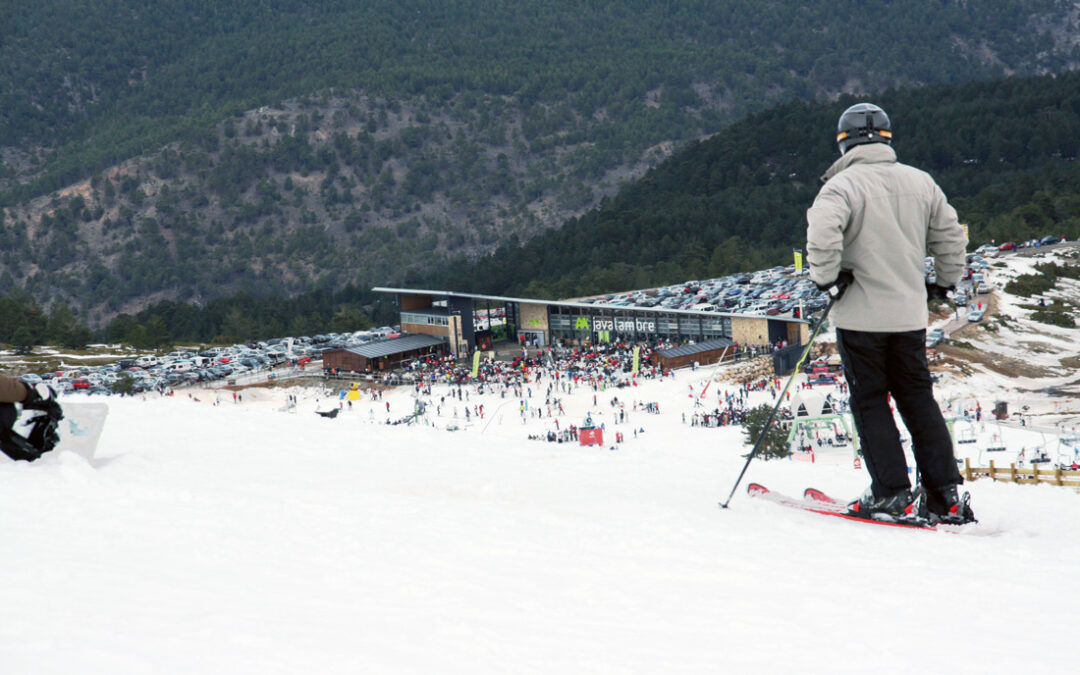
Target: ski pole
{"x": 779, "y": 401}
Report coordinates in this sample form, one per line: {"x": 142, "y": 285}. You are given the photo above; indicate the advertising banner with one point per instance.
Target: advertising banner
{"x": 591, "y": 436}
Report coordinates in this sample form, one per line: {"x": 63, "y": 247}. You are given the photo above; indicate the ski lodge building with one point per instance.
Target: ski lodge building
{"x": 470, "y": 321}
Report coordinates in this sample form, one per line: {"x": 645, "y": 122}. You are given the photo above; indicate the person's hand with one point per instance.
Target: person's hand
{"x": 836, "y": 288}
{"x": 936, "y": 292}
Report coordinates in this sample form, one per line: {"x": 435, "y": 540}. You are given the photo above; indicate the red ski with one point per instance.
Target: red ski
{"x": 816, "y": 501}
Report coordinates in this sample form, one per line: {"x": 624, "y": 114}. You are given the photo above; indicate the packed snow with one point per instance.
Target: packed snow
{"x": 247, "y": 537}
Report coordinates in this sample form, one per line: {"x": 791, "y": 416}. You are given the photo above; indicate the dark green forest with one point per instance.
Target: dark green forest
{"x": 240, "y": 318}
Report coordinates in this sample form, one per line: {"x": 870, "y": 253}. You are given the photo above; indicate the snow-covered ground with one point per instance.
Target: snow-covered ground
{"x": 242, "y": 538}
{"x": 239, "y": 538}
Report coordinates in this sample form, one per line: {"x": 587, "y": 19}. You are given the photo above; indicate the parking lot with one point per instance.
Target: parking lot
{"x": 214, "y": 366}
{"x": 772, "y": 292}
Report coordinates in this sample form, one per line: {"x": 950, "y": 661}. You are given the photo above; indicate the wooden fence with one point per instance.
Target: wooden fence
{"x": 1027, "y": 474}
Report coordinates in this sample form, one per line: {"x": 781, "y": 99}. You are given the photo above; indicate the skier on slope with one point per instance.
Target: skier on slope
{"x": 869, "y": 229}
{"x": 32, "y": 433}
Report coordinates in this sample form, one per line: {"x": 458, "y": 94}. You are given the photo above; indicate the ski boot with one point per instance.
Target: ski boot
{"x": 947, "y": 505}
{"x": 898, "y": 507}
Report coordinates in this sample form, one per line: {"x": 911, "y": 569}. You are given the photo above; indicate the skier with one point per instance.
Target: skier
{"x": 32, "y": 433}
{"x": 869, "y": 228}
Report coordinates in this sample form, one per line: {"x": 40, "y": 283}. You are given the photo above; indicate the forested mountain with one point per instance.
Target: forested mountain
{"x": 189, "y": 151}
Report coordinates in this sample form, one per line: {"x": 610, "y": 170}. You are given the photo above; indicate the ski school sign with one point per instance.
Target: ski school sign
{"x": 617, "y": 324}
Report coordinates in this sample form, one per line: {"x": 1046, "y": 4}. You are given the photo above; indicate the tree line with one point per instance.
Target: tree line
{"x": 236, "y": 319}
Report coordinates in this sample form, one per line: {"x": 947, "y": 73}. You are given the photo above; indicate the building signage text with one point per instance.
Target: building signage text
{"x": 621, "y": 324}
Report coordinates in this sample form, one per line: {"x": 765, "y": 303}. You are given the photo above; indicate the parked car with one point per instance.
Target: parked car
{"x": 934, "y": 337}
{"x": 1051, "y": 239}
{"x": 975, "y": 316}
{"x": 1008, "y": 246}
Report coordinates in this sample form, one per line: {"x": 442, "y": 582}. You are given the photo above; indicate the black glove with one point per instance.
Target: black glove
{"x": 836, "y": 288}
{"x": 936, "y": 292}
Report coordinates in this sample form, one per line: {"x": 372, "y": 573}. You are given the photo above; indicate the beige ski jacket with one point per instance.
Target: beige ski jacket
{"x": 880, "y": 219}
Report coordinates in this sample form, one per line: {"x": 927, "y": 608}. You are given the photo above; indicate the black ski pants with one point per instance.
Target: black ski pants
{"x": 879, "y": 364}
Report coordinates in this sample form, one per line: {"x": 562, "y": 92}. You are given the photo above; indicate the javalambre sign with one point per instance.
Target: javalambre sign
{"x": 622, "y": 324}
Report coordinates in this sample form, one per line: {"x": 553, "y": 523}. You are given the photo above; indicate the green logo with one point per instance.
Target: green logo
{"x": 582, "y": 323}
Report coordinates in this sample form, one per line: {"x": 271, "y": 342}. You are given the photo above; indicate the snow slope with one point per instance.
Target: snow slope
{"x": 242, "y": 539}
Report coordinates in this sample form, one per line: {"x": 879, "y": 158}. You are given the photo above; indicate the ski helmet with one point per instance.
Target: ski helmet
{"x": 862, "y": 123}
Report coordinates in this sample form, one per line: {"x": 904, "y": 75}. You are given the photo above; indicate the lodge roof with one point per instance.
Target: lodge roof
{"x": 395, "y": 345}
{"x": 695, "y": 348}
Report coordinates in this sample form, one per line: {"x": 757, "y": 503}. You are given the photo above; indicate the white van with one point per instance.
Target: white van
{"x": 180, "y": 367}
{"x": 146, "y": 361}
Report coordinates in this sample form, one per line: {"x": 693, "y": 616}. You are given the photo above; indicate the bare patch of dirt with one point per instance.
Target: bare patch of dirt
{"x": 1038, "y": 348}
{"x": 1071, "y": 362}
{"x": 956, "y": 357}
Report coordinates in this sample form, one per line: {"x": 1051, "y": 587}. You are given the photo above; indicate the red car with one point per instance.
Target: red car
{"x": 81, "y": 383}
{"x": 1008, "y": 246}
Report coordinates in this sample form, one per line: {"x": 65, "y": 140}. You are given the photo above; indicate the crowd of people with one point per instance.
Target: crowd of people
{"x": 532, "y": 387}
{"x": 600, "y": 367}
